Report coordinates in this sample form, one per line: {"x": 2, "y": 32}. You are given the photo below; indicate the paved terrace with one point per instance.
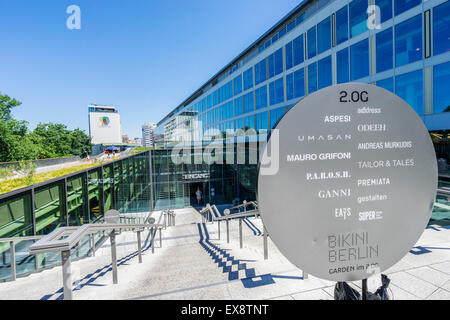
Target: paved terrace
{"x": 194, "y": 264}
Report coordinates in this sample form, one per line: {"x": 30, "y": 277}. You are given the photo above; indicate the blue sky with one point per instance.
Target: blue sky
{"x": 142, "y": 56}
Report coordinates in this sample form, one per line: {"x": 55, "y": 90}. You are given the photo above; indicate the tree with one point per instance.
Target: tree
{"x": 81, "y": 143}
{"x": 6, "y": 104}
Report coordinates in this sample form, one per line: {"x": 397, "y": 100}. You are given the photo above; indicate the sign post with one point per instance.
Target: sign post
{"x": 355, "y": 183}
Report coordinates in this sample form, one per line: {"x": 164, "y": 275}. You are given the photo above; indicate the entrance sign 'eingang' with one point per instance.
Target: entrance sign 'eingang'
{"x": 356, "y": 182}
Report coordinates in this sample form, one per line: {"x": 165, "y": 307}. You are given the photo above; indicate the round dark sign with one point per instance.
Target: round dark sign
{"x": 347, "y": 181}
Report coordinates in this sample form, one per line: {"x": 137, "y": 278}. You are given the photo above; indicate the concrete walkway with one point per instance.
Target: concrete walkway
{"x": 194, "y": 264}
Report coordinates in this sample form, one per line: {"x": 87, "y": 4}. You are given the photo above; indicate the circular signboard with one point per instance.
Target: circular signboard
{"x": 347, "y": 181}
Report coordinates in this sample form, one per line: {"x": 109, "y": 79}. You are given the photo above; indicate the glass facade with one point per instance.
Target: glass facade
{"x": 384, "y": 50}
{"x": 408, "y": 41}
{"x": 441, "y": 80}
{"x": 359, "y": 60}
{"x": 409, "y": 87}
{"x": 441, "y": 28}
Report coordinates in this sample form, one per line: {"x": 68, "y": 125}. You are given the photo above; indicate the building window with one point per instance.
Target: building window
{"x": 387, "y": 84}
{"x": 384, "y": 50}
{"x": 248, "y": 79}
{"x": 441, "y": 79}
{"x": 324, "y": 35}
{"x": 312, "y": 77}
{"x": 408, "y": 41}
{"x": 248, "y": 102}
{"x": 275, "y": 62}
{"x": 238, "y": 106}
{"x": 409, "y": 87}
{"x": 358, "y": 17}
{"x": 299, "y": 83}
{"x": 237, "y": 82}
{"x": 441, "y": 28}
{"x": 401, "y": 6}
{"x": 359, "y": 60}
{"x": 289, "y": 86}
{"x": 342, "y": 25}
{"x": 249, "y": 123}
{"x": 261, "y": 97}
{"x": 262, "y": 121}
{"x": 209, "y": 101}
{"x": 311, "y": 37}
{"x": 261, "y": 71}
{"x": 289, "y": 61}
{"x": 276, "y": 115}
{"x": 276, "y": 91}
{"x": 385, "y": 9}
{"x": 215, "y": 97}
{"x": 342, "y": 66}
{"x": 324, "y": 66}
{"x": 299, "y": 50}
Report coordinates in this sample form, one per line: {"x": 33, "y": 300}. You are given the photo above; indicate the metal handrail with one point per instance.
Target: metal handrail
{"x": 65, "y": 238}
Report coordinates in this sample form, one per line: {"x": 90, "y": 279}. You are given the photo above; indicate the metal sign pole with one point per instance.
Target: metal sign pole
{"x": 67, "y": 274}
{"x": 112, "y": 238}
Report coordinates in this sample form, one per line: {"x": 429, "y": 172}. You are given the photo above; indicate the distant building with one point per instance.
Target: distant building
{"x": 147, "y": 134}
{"x": 104, "y": 125}
{"x": 138, "y": 141}
{"x": 125, "y": 139}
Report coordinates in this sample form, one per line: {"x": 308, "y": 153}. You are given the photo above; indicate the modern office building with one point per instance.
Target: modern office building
{"x": 104, "y": 125}
{"x": 147, "y": 134}
{"x": 400, "y": 45}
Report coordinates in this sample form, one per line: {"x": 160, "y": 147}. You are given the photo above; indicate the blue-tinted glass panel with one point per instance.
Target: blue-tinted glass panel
{"x": 238, "y": 106}
{"x": 387, "y": 84}
{"x": 312, "y": 78}
{"x": 261, "y": 97}
{"x": 401, "y": 6}
{"x": 237, "y": 83}
{"x": 408, "y": 41}
{"x": 276, "y": 91}
{"x": 409, "y": 87}
{"x": 209, "y": 101}
{"x": 288, "y": 52}
{"x": 385, "y": 9}
{"x": 324, "y": 35}
{"x": 311, "y": 37}
{"x": 275, "y": 115}
{"x": 342, "y": 66}
{"x": 248, "y": 79}
{"x": 324, "y": 66}
{"x": 290, "y": 26}
{"x": 359, "y": 60}
{"x": 282, "y": 32}
{"x": 261, "y": 71}
{"x": 249, "y": 122}
{"x": 299, "y": 83}
{"x": 215, "y": 97}
{"x": 358, "y": 17}
{"x": 441, "y": 80}
{"x": 299, "y": 51}
{"x": 278, "y": 59}
{"x": 289, "y": 86}
{"x": 342, "y": 25}
{"x": 249, "y": 102}
{"x": 385, "y": 54}
{"x": 441, "y": 28}
{"x": 262, "y": 121}
{"x": 275, "y": 38}
{"x": 271, "y": 65}
{"x": 300, "y": 19}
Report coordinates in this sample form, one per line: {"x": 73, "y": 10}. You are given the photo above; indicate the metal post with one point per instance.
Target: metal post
{"x": 67, "y": 274}
{"x": 364, "y": 289}
{"x": 228, "y": 231}
{"x": 153, "y": 239}
{"x": 174, "y": 219}
{"x": 92, "y": 243}
{"x": 12, "y": 251}
{"x": 218, "y": 227}
{"x": 266, "y": 254}
{"x": 112, "y": 238}
{"x": 139, "y": 246}
{"x": 240, "y": 233}
{"x": 305, "y": 275}
{"x": 160, "y": 238}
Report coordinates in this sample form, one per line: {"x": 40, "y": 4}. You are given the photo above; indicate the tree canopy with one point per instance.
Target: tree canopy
{"x": 47, "y": 140}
